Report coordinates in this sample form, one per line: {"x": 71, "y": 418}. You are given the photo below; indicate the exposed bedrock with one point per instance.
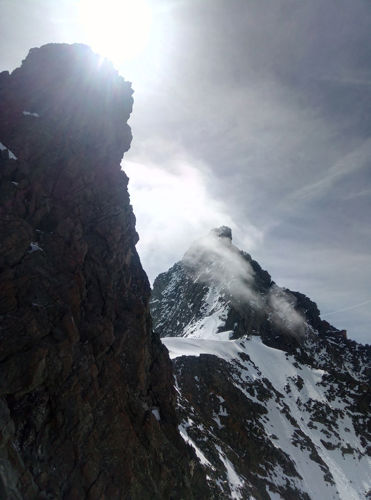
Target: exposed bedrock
{"x": 86, "y": 388}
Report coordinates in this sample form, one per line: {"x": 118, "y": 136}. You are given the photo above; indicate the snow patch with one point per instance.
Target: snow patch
{"x": 183, "y": 432}
{"x": 30, "y": 113}
{"x": 234, "y": 480}
{"x": 215, "y": 313}
{"x": 156, "y": 413}
{"x": 12, "y": 156}
{"x": 35, "y": 247}
{"x": 274, "y": 496}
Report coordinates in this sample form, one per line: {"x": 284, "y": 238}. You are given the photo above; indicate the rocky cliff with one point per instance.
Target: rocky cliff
{"x": 273, "y": 399}
{"x": 86, "y": 390}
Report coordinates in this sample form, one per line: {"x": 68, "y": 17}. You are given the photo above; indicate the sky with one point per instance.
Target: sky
{"x": 253, "y": 114}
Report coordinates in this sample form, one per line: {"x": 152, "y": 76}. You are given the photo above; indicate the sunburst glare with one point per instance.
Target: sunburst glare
{"x": 117, "y": 29}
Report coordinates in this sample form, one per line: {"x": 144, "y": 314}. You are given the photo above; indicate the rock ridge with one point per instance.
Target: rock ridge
{"x": 86, "y": 388}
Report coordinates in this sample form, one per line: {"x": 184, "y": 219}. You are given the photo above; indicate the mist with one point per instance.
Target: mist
{"x": 215, "y": 261}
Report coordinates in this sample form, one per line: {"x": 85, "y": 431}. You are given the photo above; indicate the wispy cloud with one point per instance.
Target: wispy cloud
{"x": 173, "y": 206}
{"x": 357, "y": 159}
{"x": 347, "y": 80}
{"x": 215, "y": 261}
{"x": 350, "y": 308}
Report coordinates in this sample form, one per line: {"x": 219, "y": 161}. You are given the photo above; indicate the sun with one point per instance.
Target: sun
{"x": 116, "y": 29}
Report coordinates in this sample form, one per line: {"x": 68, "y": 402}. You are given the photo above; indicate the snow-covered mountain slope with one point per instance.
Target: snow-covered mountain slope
{"x": 273, "y": 399}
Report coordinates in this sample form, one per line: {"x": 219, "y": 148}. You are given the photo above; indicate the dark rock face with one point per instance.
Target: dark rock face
{"x": 86, "y": 396}
{"x": 273, "y": 399}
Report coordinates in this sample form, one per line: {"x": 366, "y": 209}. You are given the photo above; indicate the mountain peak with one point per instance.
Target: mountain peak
{"x": 272, "y": 398}
{"x": 222, "y": 232}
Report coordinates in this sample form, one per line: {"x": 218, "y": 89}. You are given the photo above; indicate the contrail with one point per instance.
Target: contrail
{"x": 348, "y": 308}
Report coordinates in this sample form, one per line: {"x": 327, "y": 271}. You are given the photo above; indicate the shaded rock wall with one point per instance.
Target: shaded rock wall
{"x": 82, "y": 378}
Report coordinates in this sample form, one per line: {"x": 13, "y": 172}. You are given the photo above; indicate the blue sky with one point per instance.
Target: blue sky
{"x": 252, "y": 114}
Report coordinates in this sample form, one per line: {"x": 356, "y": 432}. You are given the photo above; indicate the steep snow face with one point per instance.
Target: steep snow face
{"x": 214, "y": 315}
{"x": 307, "y": 427}
{"x": 181, "y": 305}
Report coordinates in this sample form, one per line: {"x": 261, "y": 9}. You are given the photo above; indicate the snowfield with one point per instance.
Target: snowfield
{"x": 289, "y": 420}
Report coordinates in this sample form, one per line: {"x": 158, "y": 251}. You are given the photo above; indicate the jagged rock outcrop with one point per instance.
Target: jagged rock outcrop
{"x": 273, "y": 399}
{"x": 86, "y": 396}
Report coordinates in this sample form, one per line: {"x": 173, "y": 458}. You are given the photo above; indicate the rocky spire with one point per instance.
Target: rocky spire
{"x": 86, "y": 389}
{"x": 222, "y": 232}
